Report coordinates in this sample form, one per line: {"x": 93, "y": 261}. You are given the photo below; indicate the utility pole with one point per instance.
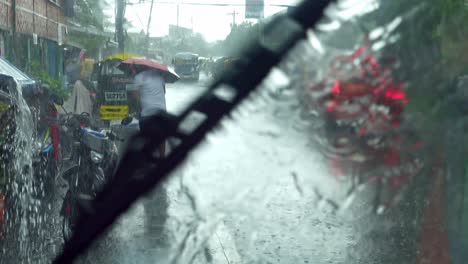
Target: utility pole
{"x": 13, "y": 33}
{"x": 233, "y": 14}
{"x": 120, "y": 6}
{"x": 177, "y": 20}
{"x": 147, "y": 28}
{"x": 191, "y": 22}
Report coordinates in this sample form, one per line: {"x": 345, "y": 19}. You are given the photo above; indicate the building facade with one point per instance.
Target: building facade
{"x": 33, "y": 31}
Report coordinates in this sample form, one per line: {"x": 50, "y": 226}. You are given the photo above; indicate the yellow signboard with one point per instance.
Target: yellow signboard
{"x": 113, "y": 112}
{"x": 184, "y": 61}
{"x": 122, "y": 56}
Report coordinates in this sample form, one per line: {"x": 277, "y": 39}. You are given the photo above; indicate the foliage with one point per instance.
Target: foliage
{"x": 452, "y": 34}
{"x": 38, "y": 72}
{"x": 89, "y": 14}
{"x": 88, "y": 41}
{"x": 240, "y": 36}
{"x": 418, "y": 49}
{"x": 431, "y": 47}
{"x": 217, "y": 48}
{"x": 193, "y": 43}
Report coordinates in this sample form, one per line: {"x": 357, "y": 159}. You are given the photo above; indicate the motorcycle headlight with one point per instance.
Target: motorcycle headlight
{"x": 96, "y": 157}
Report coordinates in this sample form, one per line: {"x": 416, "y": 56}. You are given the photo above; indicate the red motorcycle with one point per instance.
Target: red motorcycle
{"x": 46, "y": 158}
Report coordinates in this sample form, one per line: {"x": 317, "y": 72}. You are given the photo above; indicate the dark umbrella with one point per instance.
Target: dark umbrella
{"x": 140, "y": 64}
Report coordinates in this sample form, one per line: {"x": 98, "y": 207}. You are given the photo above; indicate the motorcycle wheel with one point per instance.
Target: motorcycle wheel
{"x": 69, "y": 216}
{"x": 67, "y": 229}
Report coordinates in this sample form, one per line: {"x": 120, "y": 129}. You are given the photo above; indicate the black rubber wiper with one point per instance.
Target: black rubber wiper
{"x": 137, "y": 174}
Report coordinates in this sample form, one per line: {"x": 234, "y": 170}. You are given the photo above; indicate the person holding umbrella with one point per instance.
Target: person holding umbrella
{"x": 150, "y": 78}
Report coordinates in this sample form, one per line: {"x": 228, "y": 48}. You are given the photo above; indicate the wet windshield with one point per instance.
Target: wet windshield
{"x": 240, "y": 131}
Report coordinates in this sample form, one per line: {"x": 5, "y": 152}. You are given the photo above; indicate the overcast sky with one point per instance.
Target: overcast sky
{"x": 213, "y": 22}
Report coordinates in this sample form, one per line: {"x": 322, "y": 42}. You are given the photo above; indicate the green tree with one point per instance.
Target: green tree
{"x": 90, "y": 13}
{"x": 37, "y": 71}
{"x": 240, "y": 36}
{"x": 194, "y": 43}
{"x": 217, "y": 48}
{"x": 453, "y": 35}
{"x": 90, "y": 16}
{"x": 418, "y": 48}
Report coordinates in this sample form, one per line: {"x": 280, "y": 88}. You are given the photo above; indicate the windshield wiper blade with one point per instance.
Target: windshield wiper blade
{"x": 136, "y": 175}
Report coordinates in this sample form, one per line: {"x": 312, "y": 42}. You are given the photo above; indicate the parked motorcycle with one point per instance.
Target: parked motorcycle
{"x": 92, "y": 161}
{"x": 46, "y": 158}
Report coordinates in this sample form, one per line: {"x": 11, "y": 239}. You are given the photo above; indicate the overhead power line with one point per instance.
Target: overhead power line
{"x": 204, "y": 4}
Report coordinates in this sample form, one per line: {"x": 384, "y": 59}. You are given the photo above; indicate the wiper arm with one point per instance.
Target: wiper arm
{"x": 131, "y": 181}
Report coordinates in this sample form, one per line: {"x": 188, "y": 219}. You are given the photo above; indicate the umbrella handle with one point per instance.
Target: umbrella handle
{"x": 132, "y": 67}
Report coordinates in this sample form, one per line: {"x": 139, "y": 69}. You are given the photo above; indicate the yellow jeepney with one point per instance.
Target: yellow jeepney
{"x": 115, "y": 88}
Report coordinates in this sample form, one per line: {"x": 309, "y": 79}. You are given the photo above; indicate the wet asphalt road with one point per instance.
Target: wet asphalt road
{"x": 248, "y": 195}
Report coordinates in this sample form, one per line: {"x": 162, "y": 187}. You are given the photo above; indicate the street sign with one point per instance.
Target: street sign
{"x": 254, "y": 9}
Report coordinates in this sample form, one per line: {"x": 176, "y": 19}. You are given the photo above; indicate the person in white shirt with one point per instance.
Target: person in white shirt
{"x": 151, "y": 89}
